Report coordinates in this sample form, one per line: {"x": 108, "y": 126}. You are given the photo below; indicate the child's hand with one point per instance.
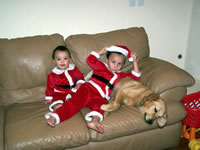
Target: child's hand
{"x": 134, "y": 56}
{"x": 47, "y": 101}
{"x": 77, "y": 86}
{"x": 135, "y": 65}
{"x": 102, "y": 51}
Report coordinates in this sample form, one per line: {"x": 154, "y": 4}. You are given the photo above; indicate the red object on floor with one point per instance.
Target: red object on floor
{"x": 191, "y": 103}
{"x": 191, "y": 122}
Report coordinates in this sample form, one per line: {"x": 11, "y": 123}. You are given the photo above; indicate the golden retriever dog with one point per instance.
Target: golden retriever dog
{"x": 133, "y": 93}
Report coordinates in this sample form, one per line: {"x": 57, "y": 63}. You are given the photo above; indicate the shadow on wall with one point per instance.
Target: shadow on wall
{"x": 195, "y": 87}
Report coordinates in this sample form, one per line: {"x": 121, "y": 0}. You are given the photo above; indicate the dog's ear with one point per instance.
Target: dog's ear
{"x": 161, "y": 121}
{"x": 143, "y": 100}
{"x": 153, "y": 97}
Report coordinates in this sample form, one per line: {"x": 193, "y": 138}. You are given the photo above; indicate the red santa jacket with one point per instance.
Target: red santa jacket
{"x": 57, "y": 78}
{"x": 101, "y": 69}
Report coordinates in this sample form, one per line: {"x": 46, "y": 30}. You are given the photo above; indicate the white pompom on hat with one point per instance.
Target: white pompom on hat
{"x": 121, "y": 49}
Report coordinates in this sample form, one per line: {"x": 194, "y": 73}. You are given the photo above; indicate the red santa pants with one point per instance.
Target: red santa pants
{"x": 59, "y": 98}
{"x": 87, "y": 96}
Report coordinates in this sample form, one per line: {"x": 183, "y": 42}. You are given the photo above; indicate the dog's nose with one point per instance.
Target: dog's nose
{"x": 149, "y": 121}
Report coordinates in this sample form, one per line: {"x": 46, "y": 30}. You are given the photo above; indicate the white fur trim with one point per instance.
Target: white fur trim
{"x": 137, "y": 74}
{"x": 74, "y": 90}
{"x": 55, "y": 103}
{"x": 56, "y": 70}
{"x": 117, "y": 49}
{"x": 131, "y": 59}
{"x": 71, "y": 67}
{"x": 88, "y": 117}
{"x": 80, "y": 81}
{"x": 48, "y": 98}
{"x": 98, "y": 88}
{"x": 111, "y": 82}
{"x": 95, "y": 54}
{"x": 68, "y": 97}
{"x": 69, "y": 78}
{"x": 57, "y": 90}
{"x": 50, "y": 114}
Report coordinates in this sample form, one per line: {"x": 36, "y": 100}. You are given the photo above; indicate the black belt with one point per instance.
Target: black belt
{"x": 67, "y": 86}
{"x": 104, "y": 81}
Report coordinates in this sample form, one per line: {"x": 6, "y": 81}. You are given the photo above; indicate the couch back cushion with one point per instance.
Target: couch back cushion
{"x": 82, "y": 44}
{"x": 25, "y": 64}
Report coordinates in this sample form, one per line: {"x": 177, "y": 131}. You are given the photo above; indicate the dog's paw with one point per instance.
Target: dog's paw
{"x": 110, "y": 107}
{"x": 103, "y": 107}
{"x": 161, "y": 121}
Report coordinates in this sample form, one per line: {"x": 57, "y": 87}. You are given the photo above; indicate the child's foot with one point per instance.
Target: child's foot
{"x": 95, "y": 125}
{"x": 51, "y": 121}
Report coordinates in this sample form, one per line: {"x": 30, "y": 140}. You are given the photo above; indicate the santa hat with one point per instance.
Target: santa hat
{"x": 121, "y": 49}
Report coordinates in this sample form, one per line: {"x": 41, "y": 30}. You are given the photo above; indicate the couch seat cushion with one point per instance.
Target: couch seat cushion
{"x": 26, "y": 128}
{"x": 128, "y": 121}
{"x": 2, "y": 115}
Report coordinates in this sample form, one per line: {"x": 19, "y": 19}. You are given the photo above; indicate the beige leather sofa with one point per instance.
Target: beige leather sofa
{"x": 25, "y": 63}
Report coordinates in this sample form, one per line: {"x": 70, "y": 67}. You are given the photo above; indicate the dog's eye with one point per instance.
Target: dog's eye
{"x": 155, "y": 110}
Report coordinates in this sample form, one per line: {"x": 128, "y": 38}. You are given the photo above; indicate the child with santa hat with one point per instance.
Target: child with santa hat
{"x": 64, "y": 80}
{"x": 97, "y": 90}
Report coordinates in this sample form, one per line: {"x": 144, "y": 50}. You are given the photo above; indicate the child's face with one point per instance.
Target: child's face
{"x": 115, "y": 62}
{"x": 62, "y": 59}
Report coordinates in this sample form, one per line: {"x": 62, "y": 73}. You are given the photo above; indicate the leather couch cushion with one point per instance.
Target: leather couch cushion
{"x": 160, "y": 75}
{"x": 26, "y": 128}
{"x": 24, "y": 64}
{"x": 129, "y": 120}
{"x": 2, "y": 117}
{"x": 81, "y": 45}
{"x": 158, "y": 139}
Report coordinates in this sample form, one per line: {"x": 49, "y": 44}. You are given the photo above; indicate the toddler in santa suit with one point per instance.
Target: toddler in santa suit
{"x": 64, "y": 80}
{"x": 97, "y": 90}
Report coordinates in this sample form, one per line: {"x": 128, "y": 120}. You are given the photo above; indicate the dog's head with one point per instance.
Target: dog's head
{"x": 154, "y": 108}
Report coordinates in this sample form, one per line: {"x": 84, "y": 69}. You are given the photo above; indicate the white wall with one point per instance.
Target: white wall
{"x": 192, "y": 62}
{"x": 166, "y": 21}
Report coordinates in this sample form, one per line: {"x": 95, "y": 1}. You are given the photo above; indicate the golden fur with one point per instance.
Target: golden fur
{"x": 134, "y": 93}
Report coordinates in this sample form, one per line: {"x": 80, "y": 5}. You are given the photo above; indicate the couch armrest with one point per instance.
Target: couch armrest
{"x": 160, "y": 75}
{"x": 2, "y": 115}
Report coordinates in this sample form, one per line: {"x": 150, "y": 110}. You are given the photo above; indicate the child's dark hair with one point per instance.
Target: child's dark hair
{"x": 60, "y": 48}
{"x": 109, "y": 53}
